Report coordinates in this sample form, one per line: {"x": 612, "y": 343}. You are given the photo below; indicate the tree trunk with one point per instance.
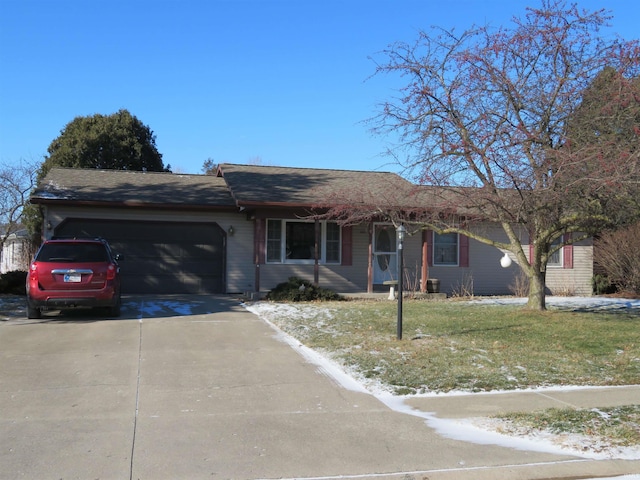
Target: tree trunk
{"x": 537, "y": 295}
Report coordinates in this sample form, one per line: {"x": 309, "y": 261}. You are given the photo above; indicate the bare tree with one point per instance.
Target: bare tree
{"x": 484, "y": 122}
{"x": 16, "y": 183}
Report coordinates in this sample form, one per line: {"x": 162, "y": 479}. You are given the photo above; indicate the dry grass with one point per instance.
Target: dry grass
{"x": 460, "y": 346}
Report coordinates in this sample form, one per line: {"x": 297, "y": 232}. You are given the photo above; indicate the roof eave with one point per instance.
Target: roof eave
{"x": 257, "y": 204}
{"x": 130, "y": 204}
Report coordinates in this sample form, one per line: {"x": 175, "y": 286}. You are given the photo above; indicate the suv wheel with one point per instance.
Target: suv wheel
{"x": 33, "y": 312}
{"x": 115, "y": 310}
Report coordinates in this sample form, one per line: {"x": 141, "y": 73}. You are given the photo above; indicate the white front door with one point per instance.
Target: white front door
{"x": 384, "y": 253}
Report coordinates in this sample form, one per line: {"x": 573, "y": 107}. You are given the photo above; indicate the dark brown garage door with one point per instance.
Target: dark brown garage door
{"x": 160, "y": 257}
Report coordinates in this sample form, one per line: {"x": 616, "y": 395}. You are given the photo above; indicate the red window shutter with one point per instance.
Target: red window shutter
{"x": 530, "y": 253}
{"x": 259, "y": 241}
{"x": 347, "y": 246}
{"x": 428, "y": 237}
{"x": 567, "y": 253}
{"x": 464, "y": 250}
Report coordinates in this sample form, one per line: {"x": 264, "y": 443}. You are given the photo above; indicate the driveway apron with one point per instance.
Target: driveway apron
{"x": 197, "y": 387}
{"x": 67, "y": 397}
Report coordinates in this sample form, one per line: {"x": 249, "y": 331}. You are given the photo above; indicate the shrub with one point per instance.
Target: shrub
{"x": 464, "y": 288}
{"x": 520, "y": 285}
{"x": 617, "y": 254}
{"x": 13, "y": 282}
{"x": 602, "y": 285}
{"x": 298, "y": 290}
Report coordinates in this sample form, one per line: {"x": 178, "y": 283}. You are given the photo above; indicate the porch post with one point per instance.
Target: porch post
{"x": 370, "y": 260}
{"x": 425, "y": 262}
{"x": 259, "y": 228}
{"x": 316, "y": 255}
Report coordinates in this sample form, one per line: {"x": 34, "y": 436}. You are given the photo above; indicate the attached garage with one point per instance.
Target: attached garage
{"x": 171, "y": 229}
{"x": 160, "y": 257}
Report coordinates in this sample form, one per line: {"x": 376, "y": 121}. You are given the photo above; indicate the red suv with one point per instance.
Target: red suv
{"x": 70, "y": 273}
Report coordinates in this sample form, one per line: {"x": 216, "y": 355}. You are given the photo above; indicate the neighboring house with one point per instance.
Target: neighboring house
{"x": 250, "y": 227}
{"x": 16, "y": 252}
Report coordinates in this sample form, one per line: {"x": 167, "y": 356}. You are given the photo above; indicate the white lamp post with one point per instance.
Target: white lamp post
{"x": 401, "y": 231}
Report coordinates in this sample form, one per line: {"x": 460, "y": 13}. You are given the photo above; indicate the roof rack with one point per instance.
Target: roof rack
{"x": 98, "y": 239}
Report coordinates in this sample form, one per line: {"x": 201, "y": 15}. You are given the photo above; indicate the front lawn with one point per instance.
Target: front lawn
{"x": 472, "y": 347}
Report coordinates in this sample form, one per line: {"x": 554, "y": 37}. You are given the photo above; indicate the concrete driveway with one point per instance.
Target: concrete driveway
{"x": 196, "y": 387}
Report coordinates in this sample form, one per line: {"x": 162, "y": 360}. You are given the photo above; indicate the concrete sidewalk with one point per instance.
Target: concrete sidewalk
{"x": 485, "y": 404}
{"x": 213, "y": 393}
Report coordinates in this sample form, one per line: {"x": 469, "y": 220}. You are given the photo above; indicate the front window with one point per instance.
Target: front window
{"x": 274, "y": 241}
{"x": 300, "y": 240}
{"x": 445, "y": 249}
{"x": 294, "y": 241}
{"x": 555, "y": 259}
{"x": 332, "y": 243}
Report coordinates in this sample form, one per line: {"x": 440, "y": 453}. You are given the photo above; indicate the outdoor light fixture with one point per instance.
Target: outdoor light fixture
{"x": 401, "y": 232}
{"x": 505, "y": 261}
{"x": 231, "y": 231}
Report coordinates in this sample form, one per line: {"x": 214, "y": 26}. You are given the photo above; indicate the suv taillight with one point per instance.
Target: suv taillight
{"x": 33, "y": 273}
{"x": 111, "y": 272}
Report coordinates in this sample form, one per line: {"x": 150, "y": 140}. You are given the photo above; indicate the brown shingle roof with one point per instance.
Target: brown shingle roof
{"x": 64, "y": 185}
{"x": 235, "y": 186}
{"x": 254, "y": 185}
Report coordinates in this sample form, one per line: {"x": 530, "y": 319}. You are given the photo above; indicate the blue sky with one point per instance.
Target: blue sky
{"x": 283, "y": 81}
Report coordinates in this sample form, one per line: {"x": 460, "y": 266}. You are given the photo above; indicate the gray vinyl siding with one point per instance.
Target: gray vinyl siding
{"x": 412, "y": 262}
{"x": 576, "y": 280}
{"x": 336, "y": 278}
{"x": 484, "y": 275}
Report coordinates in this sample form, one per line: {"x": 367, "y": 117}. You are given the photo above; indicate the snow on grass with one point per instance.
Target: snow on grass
{"x": 569, "y": 303}
{"x": 475, "y": 430}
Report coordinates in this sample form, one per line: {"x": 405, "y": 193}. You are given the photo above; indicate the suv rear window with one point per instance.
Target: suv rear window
{"x": 73, "y": 253}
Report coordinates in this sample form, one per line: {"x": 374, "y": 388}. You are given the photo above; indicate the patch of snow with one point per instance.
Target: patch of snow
{"x": 623, "y": 477}
{"x": 51, "y": 195}
{"x": 487, "y": 431}
{"x": 153, "y": 308}
{"x": 590, "y": 303}
{"x": 480, "y": 431}
{"x": 575, "y": 444}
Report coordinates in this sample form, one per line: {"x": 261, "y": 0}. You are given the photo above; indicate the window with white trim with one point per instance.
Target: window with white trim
{"x": 294, "y": 241}
{"x": 555, "y": 259}
{"x": 445, "y": 249}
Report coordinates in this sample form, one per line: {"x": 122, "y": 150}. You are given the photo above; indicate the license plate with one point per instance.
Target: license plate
{"x": 73, "y": 278}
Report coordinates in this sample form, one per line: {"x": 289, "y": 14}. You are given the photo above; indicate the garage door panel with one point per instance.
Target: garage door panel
{"x": 177, "y": 250}
{"x": 172, "y": 284}
{"x": 171, "y": 267}
{"x": 161, "y": 257}
{"x": 204, "y": 269}
{"x": 195, "y": 251}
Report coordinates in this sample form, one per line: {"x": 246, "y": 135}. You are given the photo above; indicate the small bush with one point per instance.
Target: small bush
{"x": 298, "y": 290}
{"x": 464, "y": 288}
{"x": 617, "y": 254}
{"x": 602, "y": 285}
{"x": 13, "y": 282}
{"x": 520, "y": 285}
